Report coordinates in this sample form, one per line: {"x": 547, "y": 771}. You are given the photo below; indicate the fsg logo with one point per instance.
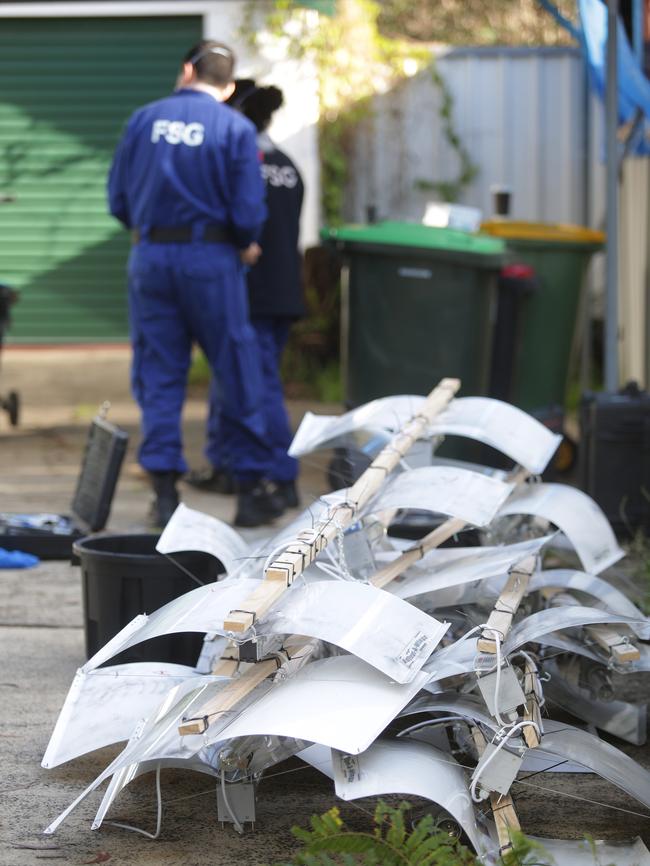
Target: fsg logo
{"x": 177, "y": 132}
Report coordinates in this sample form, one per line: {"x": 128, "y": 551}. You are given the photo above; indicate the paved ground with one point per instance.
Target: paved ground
{"x": 41, "y": 645}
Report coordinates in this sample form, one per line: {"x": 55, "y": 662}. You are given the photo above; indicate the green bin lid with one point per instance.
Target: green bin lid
{"x": 416, "y": 236}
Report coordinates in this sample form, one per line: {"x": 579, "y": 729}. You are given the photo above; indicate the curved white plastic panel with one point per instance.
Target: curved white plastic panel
{"x": 502, "y": 426}
{"x": 193, "y": 530}
{"x": 383, "y": 416}
{"x": 201, "y": 610}
{"x": 576, "y": 514}
{"x": 407, "y": 767}
{"x": 493, "y": 422}
{"x": 438, "y": 570}
{"x": 155, "y": 738}
{"x": 103, "y": 706}
{"x": 340, "y": 702}
{"x": 319, "y": 757}
{"x": 457, "y": 658}
{"x": 556, "y": 619}
{"x": 602, "y": 758}
{"x": 607, "y": 597}
{"x": 384, "y": 631}
{"x": 457, "y": 492}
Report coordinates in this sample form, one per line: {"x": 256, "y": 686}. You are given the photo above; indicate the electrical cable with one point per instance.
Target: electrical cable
{"x": 226, "y": 802}
{"x": 490, "y": 758}
{"x": 146, "y": 833}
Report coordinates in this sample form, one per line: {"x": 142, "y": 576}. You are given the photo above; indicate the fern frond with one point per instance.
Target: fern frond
{"x": 361, "y": 843}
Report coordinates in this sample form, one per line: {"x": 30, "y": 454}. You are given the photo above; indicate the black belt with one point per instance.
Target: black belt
{"x": 182, "y": 235}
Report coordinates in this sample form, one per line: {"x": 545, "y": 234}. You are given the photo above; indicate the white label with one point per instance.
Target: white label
{"x": 414, "y": 649}
{"x": 350, "y": 770}
{"x": 485, "y": 662}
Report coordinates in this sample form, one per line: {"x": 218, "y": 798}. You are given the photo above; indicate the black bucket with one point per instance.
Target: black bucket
{"x": 123, "y": 576}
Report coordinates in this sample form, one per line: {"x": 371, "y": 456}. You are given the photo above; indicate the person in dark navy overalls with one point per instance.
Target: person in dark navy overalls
{"x": 186, "y": 180}
{"x": 275, "y": 298}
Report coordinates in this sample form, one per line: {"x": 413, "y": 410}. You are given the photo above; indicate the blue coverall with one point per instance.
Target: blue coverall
{"x": 275, "y": 299}
{"x": 190, "y": 162}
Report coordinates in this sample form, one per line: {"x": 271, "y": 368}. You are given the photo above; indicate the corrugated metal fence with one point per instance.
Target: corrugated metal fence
{"x": 524, "y": 117}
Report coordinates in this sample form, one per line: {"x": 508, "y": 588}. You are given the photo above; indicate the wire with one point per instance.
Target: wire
{"x": 158, "y": 821}
{"x": 184, "y": 570}
{"x": 481, "y": 769}
{"x": 451, "y": 762}
{"x": 497, "y": 685}
{"x": 431, "y": 723}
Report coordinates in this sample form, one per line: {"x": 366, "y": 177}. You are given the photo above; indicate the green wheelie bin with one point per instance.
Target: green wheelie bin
{"x": 418, "y": 304}
{"x": 543, "y": 331}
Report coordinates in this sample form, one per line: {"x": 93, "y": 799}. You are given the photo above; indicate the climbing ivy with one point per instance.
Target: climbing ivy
{"x": 450, "y": 190}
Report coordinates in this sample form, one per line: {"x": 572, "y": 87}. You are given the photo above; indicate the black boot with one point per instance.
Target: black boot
{"x": 211, "y": 480}
{"x": 257, "y": 504}
{"x": 287, "y": 493}
{"x": 166, "y": 501}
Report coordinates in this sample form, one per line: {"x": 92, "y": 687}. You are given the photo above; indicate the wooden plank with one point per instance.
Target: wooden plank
{"x": 413, "y": 554}
{"x": 505, "y": 819}
{"x": 503, "y": 809}
{"x": 255, "y": 606}
{"x": 228, "y": 697}
{"x": 532, "y": 712}
{"x": 507, "y": 604}
{"x": 616, "y": 642}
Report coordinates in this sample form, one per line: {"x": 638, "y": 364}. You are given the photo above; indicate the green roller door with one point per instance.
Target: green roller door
{"x": 66, "y": 88}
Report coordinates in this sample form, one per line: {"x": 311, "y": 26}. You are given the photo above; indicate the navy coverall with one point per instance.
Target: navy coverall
{"x": 276, "y": 299}
{"x": 189, "y": 164}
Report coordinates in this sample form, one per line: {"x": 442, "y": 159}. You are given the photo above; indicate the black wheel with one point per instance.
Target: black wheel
{"x": 12, "y": 407}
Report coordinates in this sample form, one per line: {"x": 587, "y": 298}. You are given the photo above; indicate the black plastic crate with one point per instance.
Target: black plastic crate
{"x": 614, "y": 456}
{"x": 50, "y": 536}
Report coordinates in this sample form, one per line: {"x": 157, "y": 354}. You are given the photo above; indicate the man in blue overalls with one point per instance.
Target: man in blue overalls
{"x": 186, "y": 181}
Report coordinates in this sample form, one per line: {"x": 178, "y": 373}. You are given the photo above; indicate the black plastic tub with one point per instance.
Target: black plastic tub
{"x": 123, "y": 576}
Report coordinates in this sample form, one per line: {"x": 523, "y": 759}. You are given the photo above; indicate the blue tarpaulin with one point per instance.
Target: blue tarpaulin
{"x": 633, "y": 86}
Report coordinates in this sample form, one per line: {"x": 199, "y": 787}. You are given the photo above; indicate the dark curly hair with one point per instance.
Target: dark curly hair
{"x": 257, "y": 103}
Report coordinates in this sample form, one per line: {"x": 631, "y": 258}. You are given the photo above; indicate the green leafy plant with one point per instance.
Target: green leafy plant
{"x": 391, "y": 842}
{"x": 395, "y": 840}
{"x": 525, "y": 852}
